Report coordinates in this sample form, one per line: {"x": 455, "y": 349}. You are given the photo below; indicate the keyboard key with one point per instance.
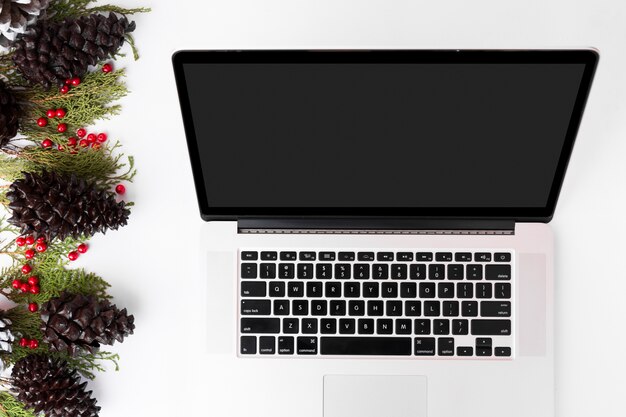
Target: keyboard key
{"x": 288, "y": 256}
{"x": 277, "y": 289}
{"x": 307, "y": 256}
{"x": 291, "y": 325}
{"x": 347, "y": 326}
{"x": 393, "y": 308}
{"x": 483, "y": 290}
{"x": 463, "y": 257}
{"x": 398, "y": 271}
{"x": 267, "y": 345}
{"x": 482, "y": 257}
{"x": 498, "y": 272}
{"x": 253, "y": 289}
{"x": 450, "y": 308}
{"x": 502, "y": 257}
{"x": 370, "y": 289}
{"x": 307, "y": 345}
{"x": 328, "y": 326}
{"x": 384, "y": 256}
{"x": 460, "y": 327}
{"x": 300, "y": 307}
{"x": 269, "y": 256}
{"x": 327, "y": 256}
{"x": 356, "y": 308}
{"x": 255, "y": 307}
{"x": 295, "y": 289}
{"x": 384, "y": 326}
{"x": 285, "y": 345}
{"x": 389, "y": 290}
{"x": 427, "y": 290}
{"x": 380, "y": 271}
{"x": 337, "y": 308}
{"x": 365, "y": 256}
{"x": 260, "y": 325}
{"x": 319, "y": 307}
{"x": 351, "y": 289}
{"x": 342, "y": 271}
{"x": 502, "y": 290}
{"x": 469, "y": 308}
{"x": 483, "y": 351}
{"x": 445, "y": 290}
{"x": 503, "y": 351}
{"x": 490, "y": 327}
{"x": 484, "y": 342}
{"x": 424, "y": 346}
{"x": 313, "y": 289}
{"x": 436, "y": 271}
{"x": 445, "y": 346}
{"x": 417, "y": 271}
{"x": 443, "y": 256}
{"x": 441, "y": 326}
{"x": 424, "y": 256}
{"x": 464, "y": 290}
{"x": 248, "y": 345}
{"x": 268, "y": 271}
{"x": 422, "y": 326}
{"x": 365, "y": 326}
{"x": 474, "y": 272}
{"x": 412, "y": 308}
{"x": 495, "y": 309}
{"x": 408, "y": 290}
{"x": 305, "y": 271}
{"x": 324, "y": 271}
{"x": 375, "y": 308}
{"x": 309, "y": 326}
{"x": 346, "y": 256}
{"x": 455, "y": 271}
{"x": 464, "y": 351}
{"x": 404, "y": 256}
{"x": 332, "y": 289}
{"x": 249, "y": 256}
{"x": 281, "y": 307}
{"x": 373, "y": 346}
{"x": 361, "y": 271}
{"x": 431, "y": 308}
{"x": 248, "y": 271}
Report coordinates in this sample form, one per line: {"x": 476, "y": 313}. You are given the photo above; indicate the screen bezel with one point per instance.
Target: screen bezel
{"x": 588, "y": 57}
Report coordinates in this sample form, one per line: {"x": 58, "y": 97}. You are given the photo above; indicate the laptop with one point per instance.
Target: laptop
{"x": 378, "y": 241}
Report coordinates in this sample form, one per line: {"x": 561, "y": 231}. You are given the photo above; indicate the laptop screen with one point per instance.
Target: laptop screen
{"x": 382, "y": 135}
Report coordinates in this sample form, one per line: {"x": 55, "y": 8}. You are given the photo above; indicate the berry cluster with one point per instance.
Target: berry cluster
{"x": 73, "y": 255}
{"x": 39, "y": 244}
{"x": 29, "y": 343}
{"x": 69, "y": 83}
{"x": 84, "y": 141}
{"x": 31, "y": 285}
{"x": 51, "y": 114}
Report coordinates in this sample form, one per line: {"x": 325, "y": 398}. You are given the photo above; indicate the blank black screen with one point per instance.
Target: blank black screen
{"x": 380, "y": 135}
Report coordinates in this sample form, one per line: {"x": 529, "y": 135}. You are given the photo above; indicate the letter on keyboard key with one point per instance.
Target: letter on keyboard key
{"x": 491, "y": 327}
{"x": 256, "y": 307}
{"x": 260, "y": 325}
{"x": 307, "y": 345}
{"x": 375, "y": 346}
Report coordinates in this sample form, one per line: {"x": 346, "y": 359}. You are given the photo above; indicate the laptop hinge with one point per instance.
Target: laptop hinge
{"x": 353, "y": 225}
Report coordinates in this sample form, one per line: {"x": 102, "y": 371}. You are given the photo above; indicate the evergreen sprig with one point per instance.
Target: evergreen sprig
{"x": 62, "y": 9}
{"x": 12, "y": 407}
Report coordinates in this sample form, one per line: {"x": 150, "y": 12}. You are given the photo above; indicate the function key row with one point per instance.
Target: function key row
{"x": 379, "y": 256}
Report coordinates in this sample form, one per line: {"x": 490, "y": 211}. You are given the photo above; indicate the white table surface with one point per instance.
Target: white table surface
{"x": 153, "y": 262}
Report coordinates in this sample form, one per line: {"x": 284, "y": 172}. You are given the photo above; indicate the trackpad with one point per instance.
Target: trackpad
{"x": 375, "y": 396}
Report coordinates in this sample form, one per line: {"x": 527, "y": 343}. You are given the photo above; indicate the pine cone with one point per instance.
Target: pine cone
{"x": 73, "y": 322}
{"x": 9, "y": 115}
{"x": 16, "y": 16}
{"x": 54, "y": 205}
{"x": 54, "y": 52}
{"x": 50, "y": 386}
{"x": 6, "y": 336}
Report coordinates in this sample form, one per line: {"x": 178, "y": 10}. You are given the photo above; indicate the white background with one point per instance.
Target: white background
{"x": 153, "y": 263}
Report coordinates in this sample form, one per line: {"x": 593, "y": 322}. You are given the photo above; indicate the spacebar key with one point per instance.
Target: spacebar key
{"x": 366, "y": 346}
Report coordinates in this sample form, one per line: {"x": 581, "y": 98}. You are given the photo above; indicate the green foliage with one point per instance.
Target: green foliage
{"x": 61, "y": 9}
{"x": 12, "y": 407}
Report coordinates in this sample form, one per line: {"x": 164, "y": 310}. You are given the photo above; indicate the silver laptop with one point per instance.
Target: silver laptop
{"x": 379, "y": 242}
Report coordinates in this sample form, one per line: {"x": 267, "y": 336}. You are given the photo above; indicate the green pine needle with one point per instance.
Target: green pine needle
{"x": 12, "y": 407}
{"x": 62, "y": 9}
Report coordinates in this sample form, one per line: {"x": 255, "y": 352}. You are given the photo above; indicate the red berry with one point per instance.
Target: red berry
{"x": 83, "y": 143}
{"x": 81, "y": 132}
{"x": 60, "y": 113}
{"x": 65, "y": 89}
{"x": 91, "y": 137}
{"x": 33, "y": 307}
{"x": 120, "y": 189}
{"x": 41, "y": 239}
{"x": 26, "y": 269}
{"x": 33, "y": 280}
{"x": 34, "y": 289}
{"x": 33, "y": 344}
{"x": 61, "y": 127}
{"x": 102, "y": 137}
{"x": 46, "y": 143}
{"x": 60, "y": 147}
{"x": 51, "y": 113}
{"x": 30, "y": 240}
{"x": 68, "y": 81}
{"x": 82, "y": 248}
{"x": 20, "y": 241}
{"x": 75, "y": 81}
{"x": 29, "y": 254}
{"x": 41, "y": 247}
{"x": 16, "y": 284}
{"x": 42, "y": 122}
{"x": 72, "y": 256}
{"x": 71, "y": 141}
{"x": 107, "y": 68}
{"x": 24, "y": 342}
{"x": 24, "y": 287}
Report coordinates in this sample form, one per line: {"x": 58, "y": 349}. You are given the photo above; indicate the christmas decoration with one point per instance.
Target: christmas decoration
{"x": 6, "y": 336}
{"x": 9, "y": 114}
{"x": 53, "y": 205}
{"x": 16, "y": 16}
{"x": 52, "y": 387}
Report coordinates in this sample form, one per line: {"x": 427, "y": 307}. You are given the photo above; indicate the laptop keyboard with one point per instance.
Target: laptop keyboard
{"x": 432, "y": 304}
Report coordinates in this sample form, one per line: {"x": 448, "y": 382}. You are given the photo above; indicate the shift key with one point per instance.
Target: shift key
{"x": 491, "y": 327}
{"x": 258, "y": 325}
